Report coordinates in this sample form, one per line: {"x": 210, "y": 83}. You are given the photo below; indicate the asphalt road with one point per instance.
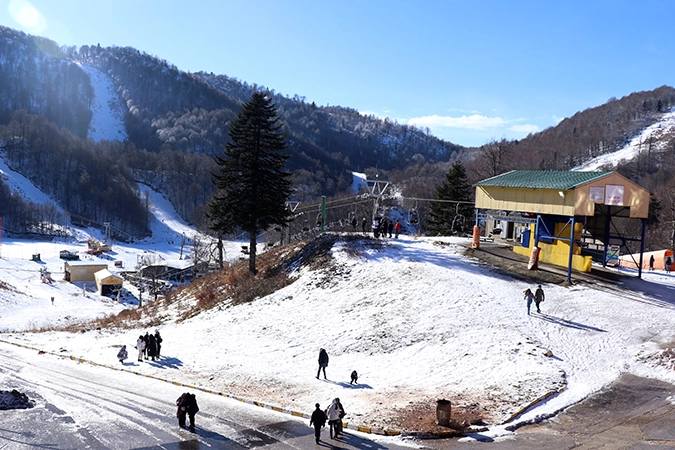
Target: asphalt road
{"x": 79, "y": 406}
{"x": 634, "y": 413}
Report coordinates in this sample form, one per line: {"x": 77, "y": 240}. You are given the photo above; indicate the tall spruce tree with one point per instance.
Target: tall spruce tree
{"x": 454, "y": 214}
{"x": 252, "y": 185}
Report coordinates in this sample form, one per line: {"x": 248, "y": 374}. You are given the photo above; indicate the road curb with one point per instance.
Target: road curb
{"x": 81, "y": 360}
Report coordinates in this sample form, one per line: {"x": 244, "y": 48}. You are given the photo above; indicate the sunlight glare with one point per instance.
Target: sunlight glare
{"x": 26, "y": 15}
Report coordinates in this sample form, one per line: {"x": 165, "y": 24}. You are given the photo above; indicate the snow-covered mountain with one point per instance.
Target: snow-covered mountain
{"x": 654, "y": 138}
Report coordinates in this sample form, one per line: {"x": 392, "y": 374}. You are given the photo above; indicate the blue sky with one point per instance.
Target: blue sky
{"x": 470, "y": 71}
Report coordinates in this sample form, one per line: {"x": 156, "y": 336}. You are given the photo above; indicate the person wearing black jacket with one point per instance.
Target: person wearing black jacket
{"x": 187, "y": 405}
{"x": 318, "y": 420}
{"x": 323, "y": 363}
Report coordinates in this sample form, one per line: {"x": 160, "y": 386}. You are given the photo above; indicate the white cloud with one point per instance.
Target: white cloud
{"x": 472, "y": 122}
{"x": 525, "y": 128}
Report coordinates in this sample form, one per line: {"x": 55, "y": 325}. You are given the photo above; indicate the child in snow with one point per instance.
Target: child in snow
{"x": 355, "y": 378}
{"x": 122, "y": 354}
{"x": 529, "y": 296}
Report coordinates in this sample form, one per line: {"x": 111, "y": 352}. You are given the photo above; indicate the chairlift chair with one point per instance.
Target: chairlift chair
{"x": 457, "y": 222}
{"x": 413, "y": 217}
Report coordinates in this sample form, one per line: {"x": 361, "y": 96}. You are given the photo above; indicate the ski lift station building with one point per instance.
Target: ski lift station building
{"x": 538, "y": 209}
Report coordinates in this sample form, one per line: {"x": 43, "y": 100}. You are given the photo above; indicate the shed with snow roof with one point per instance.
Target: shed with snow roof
{"x": 75, "y": 271}
{"x": 108, "y": 283}
{"x": 539, "y": 208}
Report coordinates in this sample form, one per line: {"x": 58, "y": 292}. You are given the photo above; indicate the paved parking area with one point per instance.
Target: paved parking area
{"x": 634, "y": 414}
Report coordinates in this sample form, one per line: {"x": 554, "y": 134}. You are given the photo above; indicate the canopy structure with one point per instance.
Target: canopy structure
{"x": 554, "y": 210}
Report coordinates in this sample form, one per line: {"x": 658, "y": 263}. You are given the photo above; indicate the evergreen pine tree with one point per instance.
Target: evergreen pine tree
{"x": 253, "y": 186}
{"x": 442, "y": 214}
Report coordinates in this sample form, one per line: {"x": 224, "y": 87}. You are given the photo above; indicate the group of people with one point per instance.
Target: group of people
{"x": 323, "y": 363}
{"x": 381, "y": 227}
{"x": 667, "y": 264}
{"x": 537, "y": 298}
{"x": 333, "y": 414}
{"x": 149, "y": 346}
{"x": 386, "y": 227}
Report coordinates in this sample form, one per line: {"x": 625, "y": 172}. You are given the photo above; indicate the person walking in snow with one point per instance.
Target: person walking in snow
{"x": 668, "y": 264}
{"x": 140, "y": 346}
{"x": 529, "y": 296}
{"x": 355, "y": 377}
{"x": 187, "y": 405}
{"x": 538, "y": 297}
{"x": 333, "y": 416}
{"x": 364, "y": 223}
{"x": 651, "y": 262}
{"x": 122, "y": 354}
{"x": 323, "y": 363}
{"x": 397, "y": 229}
{"x": 390, "y": 228}
{"x": 318, "y": 420}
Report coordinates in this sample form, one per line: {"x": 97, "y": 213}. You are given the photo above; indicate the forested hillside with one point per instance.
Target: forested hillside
{"x": 176, "y": 121}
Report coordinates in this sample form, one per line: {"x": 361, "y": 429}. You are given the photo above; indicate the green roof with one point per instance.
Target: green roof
{"x": 541, "y": 179}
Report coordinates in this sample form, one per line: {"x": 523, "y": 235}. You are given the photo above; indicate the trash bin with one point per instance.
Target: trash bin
{"x": 443, "y": 411}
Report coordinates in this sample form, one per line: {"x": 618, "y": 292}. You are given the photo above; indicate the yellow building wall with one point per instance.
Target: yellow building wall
{"x": 574, "y": 202}
{"x": 558, "y": 252}
{"x": 634, "y": 196}
{"x": 542, "y": 201}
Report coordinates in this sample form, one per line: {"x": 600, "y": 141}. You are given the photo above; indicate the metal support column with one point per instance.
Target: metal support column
{"x": 608, "y": 219}
{"x": 569, "y": 260}
{"x": 323, "y": 213}
{"x": 642, "y": 247}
